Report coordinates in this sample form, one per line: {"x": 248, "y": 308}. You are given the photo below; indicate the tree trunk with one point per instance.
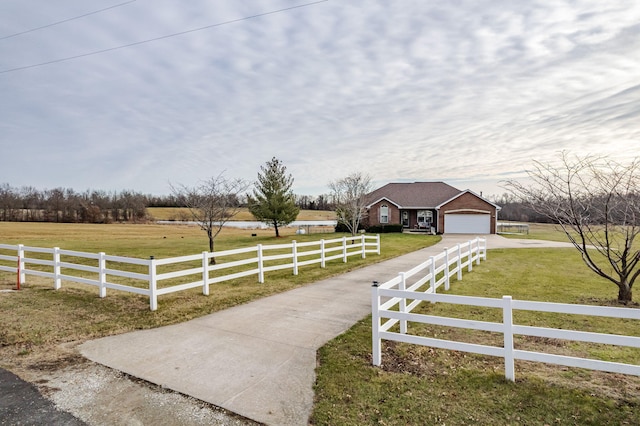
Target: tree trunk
{"x": 624, "y": 294}
{"x": 275, "y": 224}
{"x": 212, "y": 261}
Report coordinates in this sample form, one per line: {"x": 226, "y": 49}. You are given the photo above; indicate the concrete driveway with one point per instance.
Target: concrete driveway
{"x": 497, "y": 241}
{"x": 258, "y": 359}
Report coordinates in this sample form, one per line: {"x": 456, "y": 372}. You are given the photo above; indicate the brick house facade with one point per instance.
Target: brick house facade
{"x": 432, "y": 206}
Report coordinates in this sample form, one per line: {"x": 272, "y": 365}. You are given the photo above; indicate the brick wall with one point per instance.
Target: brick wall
{"x": 374, "y": 213}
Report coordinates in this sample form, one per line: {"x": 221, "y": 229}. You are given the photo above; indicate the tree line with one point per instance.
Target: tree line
{"x": 66, "y": 205}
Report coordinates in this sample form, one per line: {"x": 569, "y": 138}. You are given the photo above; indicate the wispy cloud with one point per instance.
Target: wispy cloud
{"x": 413, "y": 90}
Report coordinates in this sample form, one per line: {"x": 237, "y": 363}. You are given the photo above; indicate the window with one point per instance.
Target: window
{"x": 425, "y": 217}
{"x": 384, "y": 214}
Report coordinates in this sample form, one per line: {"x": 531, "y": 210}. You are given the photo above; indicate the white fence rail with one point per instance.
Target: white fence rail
{"x": 389, "y": 303}
{"x": 154, "y": 277}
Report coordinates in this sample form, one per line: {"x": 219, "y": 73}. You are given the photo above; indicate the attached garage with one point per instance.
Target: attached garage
{"x": 467, "y": 223}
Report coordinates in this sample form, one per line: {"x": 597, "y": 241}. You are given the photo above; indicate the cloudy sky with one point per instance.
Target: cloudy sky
{"x": 468, "y": 92}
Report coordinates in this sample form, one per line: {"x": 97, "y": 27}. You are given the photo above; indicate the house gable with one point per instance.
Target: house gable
{"x": 393, "y": 213}
{"x": 473, "y": 194}
{"x": 381, "y": 200}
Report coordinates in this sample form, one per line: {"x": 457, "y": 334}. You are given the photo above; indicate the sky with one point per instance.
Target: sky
{"x": 140, "y": 95}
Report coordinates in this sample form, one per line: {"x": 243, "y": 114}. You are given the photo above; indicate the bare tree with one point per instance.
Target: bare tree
{"x": 212, "y": 203}
{"x": 54, "y": 202}
{"x": 596, "y": 201}
{"x": 9, "y": 202}
{"x": 349, "y": 198}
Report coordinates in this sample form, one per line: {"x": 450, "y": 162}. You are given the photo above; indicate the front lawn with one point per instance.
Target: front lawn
{"x": 421, "y": 385}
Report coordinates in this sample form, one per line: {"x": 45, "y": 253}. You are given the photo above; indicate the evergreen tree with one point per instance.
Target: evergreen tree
{"x": 273, "y": 201}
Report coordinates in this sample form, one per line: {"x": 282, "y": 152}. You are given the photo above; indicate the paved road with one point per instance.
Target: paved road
{"x": 22, "y": 404}
{"x": 258, "y": 359}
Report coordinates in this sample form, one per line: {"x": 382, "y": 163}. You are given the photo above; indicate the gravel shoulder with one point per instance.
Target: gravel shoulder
{"x": 97, "y": 395}
{"x": 101, "y": 396}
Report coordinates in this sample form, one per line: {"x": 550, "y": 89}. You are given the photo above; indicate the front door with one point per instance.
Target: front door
{"x": 405, "y": 219}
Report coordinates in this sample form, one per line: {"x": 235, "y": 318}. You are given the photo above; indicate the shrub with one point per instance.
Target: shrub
{"x": 384, "y": 229}
{"x": 341, "y": 227}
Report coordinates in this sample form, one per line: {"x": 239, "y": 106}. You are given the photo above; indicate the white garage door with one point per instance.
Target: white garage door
{"x": 467, "y": 223}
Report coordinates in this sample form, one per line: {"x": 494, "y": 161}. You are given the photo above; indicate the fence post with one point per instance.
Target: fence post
{"x": 344, "y": 249}
{"x": 459, "y": 264}
{"x": 375, "y": 325}
{"x": 364, "y": 244}
{"x": 470, "y": 260}
{"x": 102, "y": 274}
{"x": 478, "y": 254}
{"x": 402, "y": 286}
{"x": 484, "y": 249}
{"x": 57, "y": 281}
{"x": 17, "y": 273}
{"x": 153, "y": 285}
{"x": 507, "y": 319}
{"x": 322, "y": 254}
{"x": 446, "y": 269}
{"x": 294, "y": 250}
{"x": 260, "y": 265}
{"x": 205, "y": 274}
{"x": 378, "y": 243}
{"x": 21, "y": 273}
{"x": 432, "y": 284}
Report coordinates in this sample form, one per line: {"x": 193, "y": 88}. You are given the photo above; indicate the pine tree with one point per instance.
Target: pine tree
{"x": 273, "y": 201}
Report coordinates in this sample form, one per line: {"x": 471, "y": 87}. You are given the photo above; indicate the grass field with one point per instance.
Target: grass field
{"x": 182, "y": 213}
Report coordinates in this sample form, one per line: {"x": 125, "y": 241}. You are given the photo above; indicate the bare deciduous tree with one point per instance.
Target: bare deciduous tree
{"x": 596, "y": 201}
{"x": 212, "y": 203}
{"x": 349, "y": 198}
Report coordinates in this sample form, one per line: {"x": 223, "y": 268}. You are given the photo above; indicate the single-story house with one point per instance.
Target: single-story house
{"x": 433, "y": 206}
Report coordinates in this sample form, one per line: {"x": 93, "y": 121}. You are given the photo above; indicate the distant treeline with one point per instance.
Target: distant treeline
{"x": 29, "y": 204}
{"x": 517, "y": 211}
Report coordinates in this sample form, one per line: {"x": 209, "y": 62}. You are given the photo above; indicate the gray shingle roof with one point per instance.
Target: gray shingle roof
{"x": 414, "y": 195}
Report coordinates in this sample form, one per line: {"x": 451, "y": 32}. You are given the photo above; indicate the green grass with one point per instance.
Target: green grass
{"x": 422, "y": 385}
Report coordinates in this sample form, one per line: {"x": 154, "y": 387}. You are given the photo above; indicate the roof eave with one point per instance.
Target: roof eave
{"x": 384, "y": 199}
{"x": 439, "y": 206}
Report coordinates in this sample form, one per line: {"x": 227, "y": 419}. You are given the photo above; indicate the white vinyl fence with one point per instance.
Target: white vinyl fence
{"x": 390, "y": 307}
{"x": 155, "y": 277}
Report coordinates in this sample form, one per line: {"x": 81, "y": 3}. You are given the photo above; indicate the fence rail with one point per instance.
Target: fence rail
{"x": 154, "y": 277}
{"x": 389, "y": 307}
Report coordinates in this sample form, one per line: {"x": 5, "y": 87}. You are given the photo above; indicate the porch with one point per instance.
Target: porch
{"x": 430, "y": 230}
